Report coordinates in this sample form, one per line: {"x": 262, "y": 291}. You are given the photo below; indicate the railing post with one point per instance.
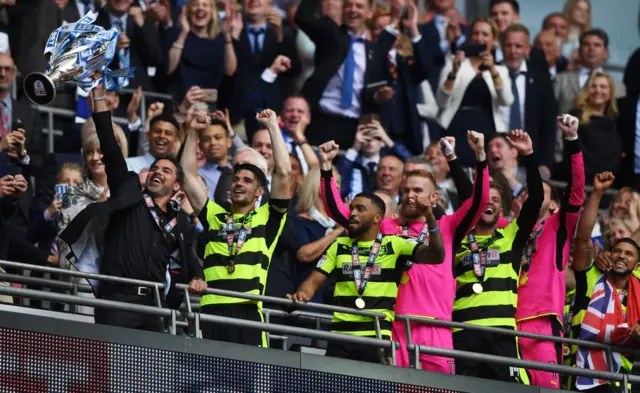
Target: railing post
{"x": 625, "y": 382}
{"x": 157, "y": 296}
{"x": 50, "y": 132}
{"x": 393, "y": 353}
{"x": 383, "y": 358}
{"x": 143, "y": 109}
{"x": 414, "y": 361}
{"x": 267, "y": 318}
{"x": 74, "y": 291}
{"x": 172, "y": 326}
{"x": 196, "y": 321}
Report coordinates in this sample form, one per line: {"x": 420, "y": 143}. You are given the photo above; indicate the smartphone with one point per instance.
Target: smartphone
{"x": 61, "y": 189}
{"x": 473, "y": 50}
{"x": 371, "y": 88}
{"x": 211, "y": 98}
{"x": 17, "y": 125}
{"x": 368, "y": 119}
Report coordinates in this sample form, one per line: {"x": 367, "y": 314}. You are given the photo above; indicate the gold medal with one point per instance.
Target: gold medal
{"x": 404, "y": 279}
{"x": 523, "y": 279}
{"x": 231, "y": 268}
{"x": 477, "y": 288}
{"x": 566, "y": 350}
{"x": 360, "y": 303}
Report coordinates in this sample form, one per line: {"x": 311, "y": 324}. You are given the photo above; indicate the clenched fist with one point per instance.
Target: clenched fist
{"x": 328, "y": 151}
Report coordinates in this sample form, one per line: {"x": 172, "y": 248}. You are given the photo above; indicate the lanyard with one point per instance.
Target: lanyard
{"x": 528, "y": 252}
{"x": 242, "y": 236}
{"x": 423, "y": 237}
{"x": 168, "y": 228}
{"x": 361, "y": 279}
{"x": 479, "y": 256}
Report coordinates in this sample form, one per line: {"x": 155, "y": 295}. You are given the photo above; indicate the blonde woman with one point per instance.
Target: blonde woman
{"x": 597, "y": 110}
{"x": 577, "y": 13}
{"x": 472, "y": 89}
{"x": 315, "y": 231}
{"x": 198, "y": 55}
{"x": 616, "y": 229}
{"x": 626, "y": 204}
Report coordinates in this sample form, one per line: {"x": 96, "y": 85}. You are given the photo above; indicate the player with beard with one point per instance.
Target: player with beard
{"x": 487, "y": 267}
{"x": 144, "y": 231}
{"x": 239, "y": 243}
{"x": 542, "y": 287}
{"x": 425, "y": 290}
{"x": 607, "y": 309}
{"x": 375, "y": 263}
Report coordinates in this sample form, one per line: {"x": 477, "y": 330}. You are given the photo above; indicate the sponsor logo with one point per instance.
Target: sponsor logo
{"x": 38, "y": 89}
{"x": 321, "y": 261}
{"x": 347, "y": 269}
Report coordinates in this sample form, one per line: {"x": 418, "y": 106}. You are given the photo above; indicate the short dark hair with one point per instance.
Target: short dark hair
{"x": 547, "y": 18}
{"x": 220, "y": 123}
{"x": 417, "y": 160}
{"x": 516, "y": 28}
{"x": 499, "y": 136}
{"x": 376, "y": 200}
{"x": 555, "y": 196}
{"x": 596, "y": 33}
{"x": 260, "y": 176}
{"x": 168, "y": 117}
{"x": 175, "y": 162}
{"x": 513, "y": 3}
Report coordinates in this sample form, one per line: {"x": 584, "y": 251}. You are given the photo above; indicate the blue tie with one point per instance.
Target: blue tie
{"x": 515, "y": 116}
{"x": 349, "y": 71}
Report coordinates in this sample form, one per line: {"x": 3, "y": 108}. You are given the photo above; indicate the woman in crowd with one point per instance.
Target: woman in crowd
{"x": 93, "y": 188}
{"x": 597, "y": 110}
{"x": 626, "y": 204}
{"x": 616, "y": 229}
{"x": 315, "y": 231}
{"x": 578, "y": 16}
{"x": 472, "y": 89}
{"x": 198, "y": 55}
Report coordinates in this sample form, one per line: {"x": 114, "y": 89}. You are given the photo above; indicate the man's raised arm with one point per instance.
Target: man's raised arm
{"x": 193, "y": 187}
{"x": 282, "y": 164}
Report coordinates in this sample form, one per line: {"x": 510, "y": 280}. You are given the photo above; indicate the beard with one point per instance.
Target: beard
{"x": 359, "y": 230}
{"x": 409, "y": 211}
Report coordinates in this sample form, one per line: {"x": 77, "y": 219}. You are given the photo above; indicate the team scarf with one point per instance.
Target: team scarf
{"x": 605, "y": 322}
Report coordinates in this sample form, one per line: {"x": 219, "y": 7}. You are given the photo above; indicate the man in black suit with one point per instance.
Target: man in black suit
{"x": 534, "y": 107}
{"x": 337, "y": 88}
{"x": 137, "y": 34}
{"x": 628, "y": 124}
{"x": 257, "y": 46}
{"x": 12, "y": 111}
{"x": 546, "y": 41}
{"x": 443, "y": 35}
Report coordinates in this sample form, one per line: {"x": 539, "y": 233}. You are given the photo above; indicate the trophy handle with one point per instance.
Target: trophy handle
{"x": 39, "y": 88}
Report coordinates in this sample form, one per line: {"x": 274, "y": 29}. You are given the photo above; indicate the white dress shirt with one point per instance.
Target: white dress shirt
{"x": 521, "y": 86}
{"x": 137, "y": 164}
{"x": 357, "y": 181}
{"x": 331, "y": 101}
{"x": 585, "y": 73}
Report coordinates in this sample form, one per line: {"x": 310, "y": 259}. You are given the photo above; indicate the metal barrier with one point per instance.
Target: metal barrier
{"x": 197, "y": 318}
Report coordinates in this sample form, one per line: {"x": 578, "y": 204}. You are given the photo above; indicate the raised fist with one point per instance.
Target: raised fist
{"x": 569, "y": 125}
{"x": 328, "y": 151}
{"x": 476, "y": 141}
{"x": 280, "y": 64}
{"x": 603, "y": 181}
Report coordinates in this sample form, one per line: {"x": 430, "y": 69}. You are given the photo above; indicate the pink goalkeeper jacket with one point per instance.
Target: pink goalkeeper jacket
{"x": 541, "y": 291}
{"x": 425, "y": 290}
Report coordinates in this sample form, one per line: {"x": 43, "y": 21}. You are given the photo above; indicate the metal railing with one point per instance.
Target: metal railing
{"x": 196, "y": 318}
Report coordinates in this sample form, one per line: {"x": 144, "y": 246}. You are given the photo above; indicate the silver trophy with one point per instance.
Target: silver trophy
{"x": 78, "y": 50}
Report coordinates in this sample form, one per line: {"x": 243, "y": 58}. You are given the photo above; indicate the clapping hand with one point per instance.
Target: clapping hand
{"x": 328, "y": 151}
{"x": 569, "y": 125}
{"x": 521, "y": 141}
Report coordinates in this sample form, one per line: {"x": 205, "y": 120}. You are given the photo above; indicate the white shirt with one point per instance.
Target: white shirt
{"x": 553, "y": 72}
{"x": 331, "y": 101}
{"x": 585, "y": 73}
{"x": 289, "y": 141}
{"x": 357, "y": 181}
{"x": 521, "y": 83}
{"x": 137, "y": 164}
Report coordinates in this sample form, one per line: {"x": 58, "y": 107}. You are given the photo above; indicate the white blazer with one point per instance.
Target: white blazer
{"x": 450, "y": 102}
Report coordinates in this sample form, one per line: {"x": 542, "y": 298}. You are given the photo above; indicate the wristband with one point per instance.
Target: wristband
{"x": 178, "y": 46}
{"x": 448, "y": 149}
{"x": 101, "y": 98}
{"x": 436, "y": 229}
{"x": 571, "y": 138}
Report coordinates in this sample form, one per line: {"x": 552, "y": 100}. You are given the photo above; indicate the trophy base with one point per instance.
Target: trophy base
{"x": 39, "y": 88}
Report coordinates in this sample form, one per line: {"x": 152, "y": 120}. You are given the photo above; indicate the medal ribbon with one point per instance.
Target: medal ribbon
{"x": 242, "y": 236}
{"x": 479, "y": 256}
{"x": 361, "y": 279}
{"x": 168, "y": 228}
{"x": 423, "y": 237}
{"x": 528, "y": 252}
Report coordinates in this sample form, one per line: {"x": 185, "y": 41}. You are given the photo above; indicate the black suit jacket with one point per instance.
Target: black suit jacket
{"x": 241, "y": 92}
{"x": 145, "y": 50}
{"x": 540, "y": 109}
{"x": 332, "y": 46}
{"x": 33, "y": 124}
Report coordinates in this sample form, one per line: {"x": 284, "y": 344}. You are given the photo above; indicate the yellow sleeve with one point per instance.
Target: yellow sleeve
{"x": 327, "y": 263}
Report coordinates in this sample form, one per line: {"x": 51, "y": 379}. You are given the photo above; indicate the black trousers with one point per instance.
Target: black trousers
{"x": 490, "y": 344}
{"x": 325, "y": 127}
{"x": 230, "y": 333}
{"x": 127, "y": 319}
{"x": 344, "y": 350}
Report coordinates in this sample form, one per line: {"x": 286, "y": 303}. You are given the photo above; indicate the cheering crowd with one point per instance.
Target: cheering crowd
{"x": 354, "y": 153}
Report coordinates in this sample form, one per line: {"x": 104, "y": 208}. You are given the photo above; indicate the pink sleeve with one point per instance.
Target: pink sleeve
{"x": 503, "y": 222}
{"x": 576, "y": 196}
{"x": 333, "y": 205}
{"x": 466, "y": 217}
